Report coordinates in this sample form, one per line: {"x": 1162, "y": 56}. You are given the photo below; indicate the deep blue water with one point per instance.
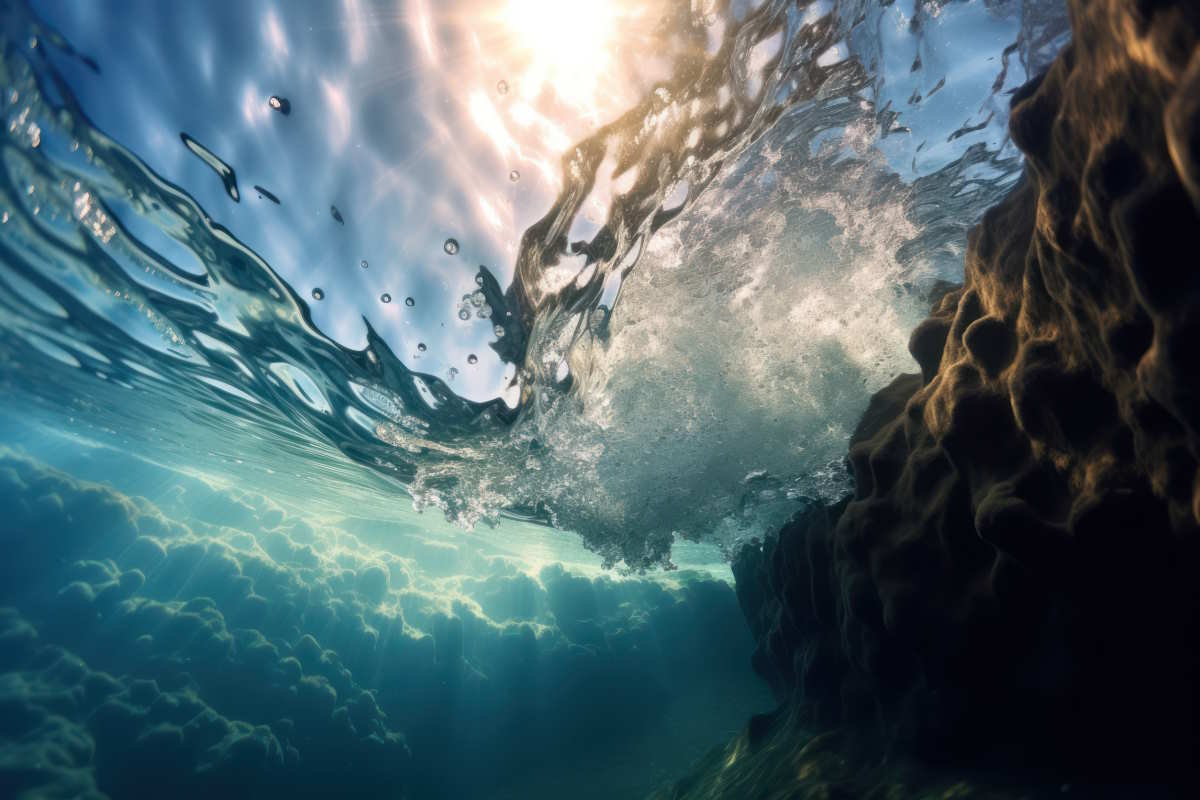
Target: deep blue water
{"x": 364, "y": 364}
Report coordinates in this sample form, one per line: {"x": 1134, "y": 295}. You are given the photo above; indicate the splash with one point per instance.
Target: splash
{"x": 741, "y": 235}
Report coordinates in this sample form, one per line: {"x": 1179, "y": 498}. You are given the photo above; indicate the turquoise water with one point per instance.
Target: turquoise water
{"x": 365, "y": 364}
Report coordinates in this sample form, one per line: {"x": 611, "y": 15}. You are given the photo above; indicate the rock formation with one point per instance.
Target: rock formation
{"x": 1015, "y": 578}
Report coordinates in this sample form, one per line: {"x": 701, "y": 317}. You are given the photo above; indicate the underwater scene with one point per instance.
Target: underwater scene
{"x": 530, "y": 399}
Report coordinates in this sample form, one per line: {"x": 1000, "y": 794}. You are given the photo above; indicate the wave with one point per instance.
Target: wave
{"x": 728, "y": 268}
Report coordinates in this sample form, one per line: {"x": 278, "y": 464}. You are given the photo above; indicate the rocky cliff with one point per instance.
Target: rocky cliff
{"x": 1015, "y": 579}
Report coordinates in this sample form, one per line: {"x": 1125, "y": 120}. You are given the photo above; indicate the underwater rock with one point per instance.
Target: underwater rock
{"x": 1014, "y": 578}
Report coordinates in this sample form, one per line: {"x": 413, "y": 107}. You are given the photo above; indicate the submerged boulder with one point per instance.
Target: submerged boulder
{"x": 1015, "y": 578}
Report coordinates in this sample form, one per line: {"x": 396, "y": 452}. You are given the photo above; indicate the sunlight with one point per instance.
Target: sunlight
{"x": 569, "y": 45}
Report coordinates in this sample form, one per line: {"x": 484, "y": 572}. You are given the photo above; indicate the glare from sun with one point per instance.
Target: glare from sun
{"x": 568, "y": 45}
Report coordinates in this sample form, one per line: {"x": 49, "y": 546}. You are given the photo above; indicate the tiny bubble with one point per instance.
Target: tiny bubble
{"x": 499, "y": 331}
{"x": 464, "y": 314}
{"x": 514, "y": 176}
{"x": 502, "y": 86}
{"x": 421, "y": 347}
{"x": 472, "y": 359}
{"x": 450, "y": 246}
{"x": 363, "y": 263}
{"x": 385, "y": 298}
{"x": 479, "y": 280}
{"x": 318, "y": 293}
{"x": 408, "y": 301}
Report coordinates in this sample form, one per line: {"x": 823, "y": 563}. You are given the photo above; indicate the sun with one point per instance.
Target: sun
{"x": 568, "y": 45}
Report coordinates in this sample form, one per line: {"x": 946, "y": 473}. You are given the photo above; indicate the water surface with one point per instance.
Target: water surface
{"x": 586, "y": 284}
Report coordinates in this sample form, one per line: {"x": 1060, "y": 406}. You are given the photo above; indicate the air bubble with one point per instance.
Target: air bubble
{"x": 280, "y": 104}
{"x": 464, "y": 314}
{"x": 363, "y": 263}
{"x": 514, "y": 176}
{"x": 410, "y": 302}
{"x": 498, "y": 330}
{"x": 502, "y": 87}
{"x": 450, "y": 246}
{"x": 472, "y": 359}
{"x": 484, "y": 312}
{"x": 479, "y": 280}
{"x": 477, "y": 298}
{"x": 385, "y": 298}
{"x": 421, "y": 347}
{"x": 318, "y": 293}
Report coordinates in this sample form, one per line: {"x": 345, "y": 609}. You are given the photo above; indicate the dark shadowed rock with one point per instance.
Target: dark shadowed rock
{"x": 1014, "y": 581}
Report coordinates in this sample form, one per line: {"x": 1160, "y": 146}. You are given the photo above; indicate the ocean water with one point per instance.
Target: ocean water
{"x": 384, "y": 384}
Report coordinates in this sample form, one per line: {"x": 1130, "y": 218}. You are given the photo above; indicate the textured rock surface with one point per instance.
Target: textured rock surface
{"x": 1016, "y": 575}
{"x": 781, "y": 759}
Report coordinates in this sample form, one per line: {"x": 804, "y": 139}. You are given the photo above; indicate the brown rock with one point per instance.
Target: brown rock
{"x": 1016, "y": 576}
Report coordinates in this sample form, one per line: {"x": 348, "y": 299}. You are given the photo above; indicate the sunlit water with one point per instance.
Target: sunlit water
{"x": 630, "y": 268}
{"x": 296, "y": 295}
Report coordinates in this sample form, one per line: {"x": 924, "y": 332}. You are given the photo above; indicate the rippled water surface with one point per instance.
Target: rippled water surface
{"x": 631, "y": 268}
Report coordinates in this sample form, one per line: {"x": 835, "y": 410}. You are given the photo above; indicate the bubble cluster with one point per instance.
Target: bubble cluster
{"x": 474, "y": 304}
